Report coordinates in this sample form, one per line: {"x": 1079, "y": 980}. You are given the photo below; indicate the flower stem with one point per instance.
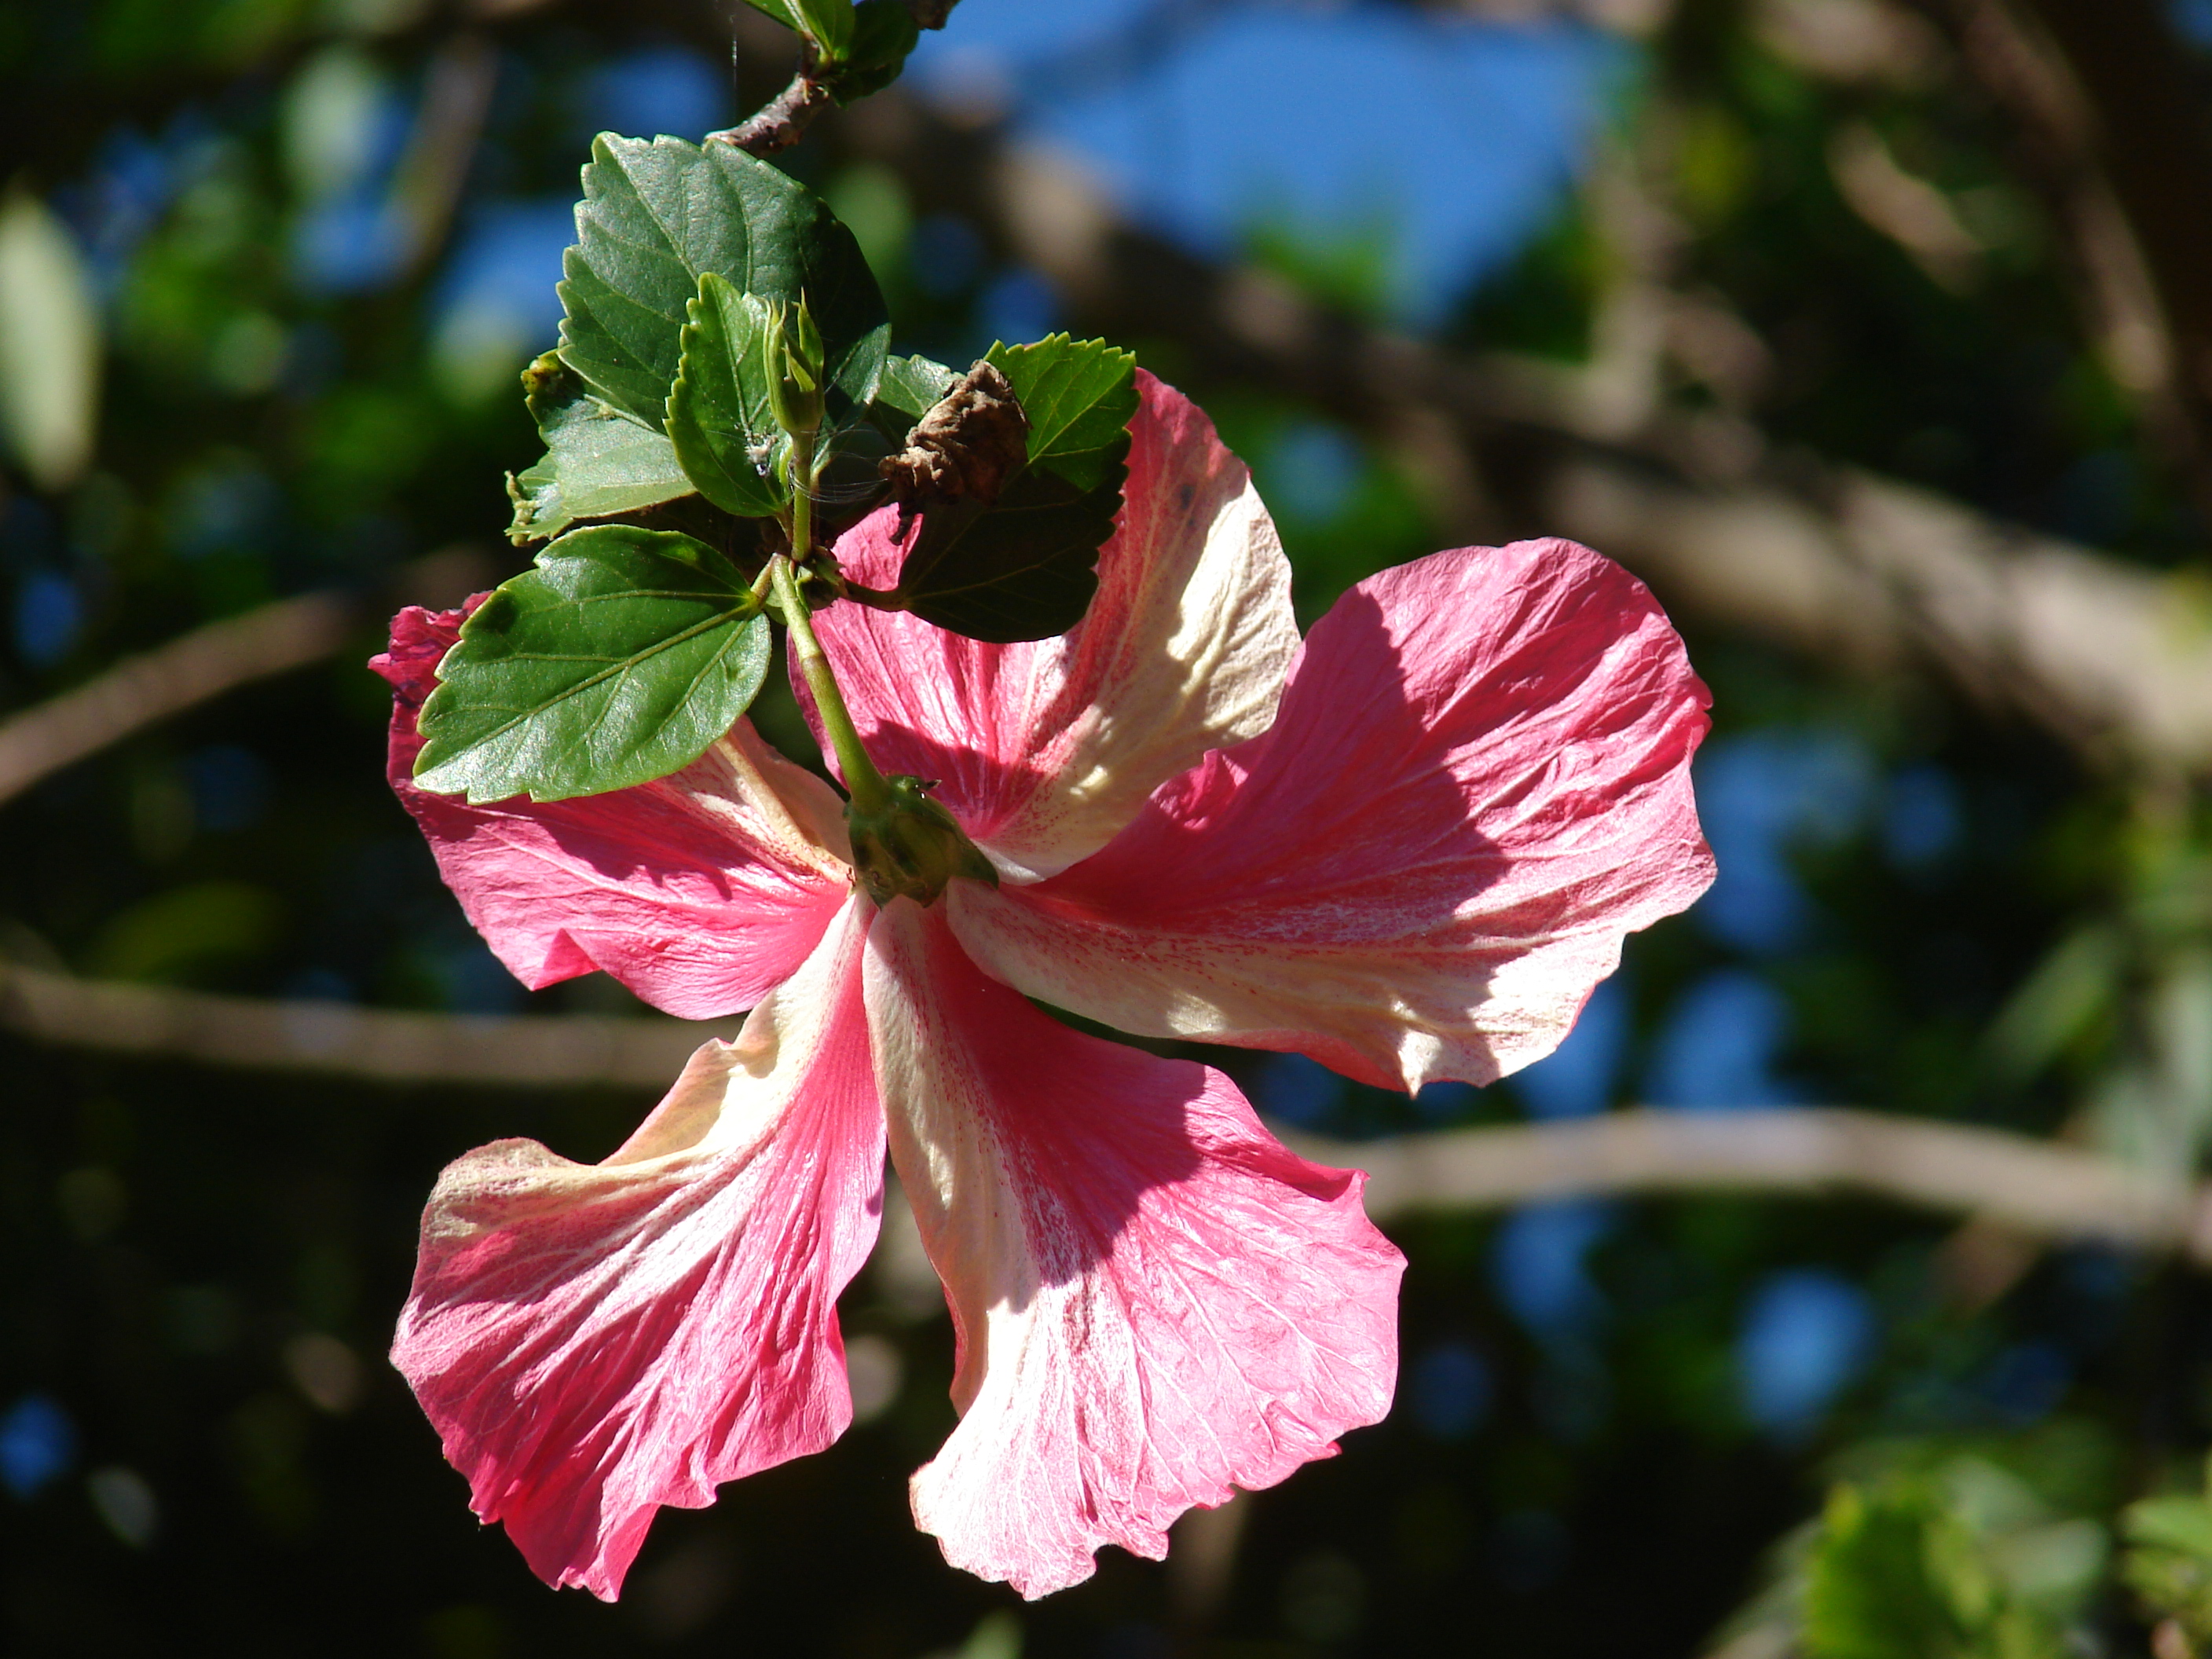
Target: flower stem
{"x": 863, "y": 782}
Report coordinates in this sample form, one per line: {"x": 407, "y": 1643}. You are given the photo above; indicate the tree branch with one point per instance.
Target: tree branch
{"x": 142, "y": 690}
{"x": 335, "y": 1039}
{"x": 2034, "y": 1186}
{"x": 457, "y": 93}
{"x": 2152, "y": 135}
{"x": 2109, "y": 134}
{"x": 1865, "y": 571}
{"x": 783, "y": 120}
{"x": 2154, "y": 138}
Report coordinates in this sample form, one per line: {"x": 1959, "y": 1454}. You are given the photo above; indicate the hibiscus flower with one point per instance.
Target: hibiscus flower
{"x": 1407, "y": 846}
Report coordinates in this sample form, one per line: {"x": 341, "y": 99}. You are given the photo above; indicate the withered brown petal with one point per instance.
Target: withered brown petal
{"x": 965, "y": 448}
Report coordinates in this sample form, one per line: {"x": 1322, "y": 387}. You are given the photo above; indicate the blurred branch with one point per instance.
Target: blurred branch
{"x": 783, "y": 120}
{"x": 2031, "y": 1187}
{"x": 457, "y": 93}
{"x": 1908, "y": 210}
{"x": 569, "y": 1050}
{"x": 1633, "y": 17}
{"x": 1823, "y": 559}
{"x": 2154, "y": 137}
{"x": 2034, "y": 1187}
{"x": 2111, "y": 657}
{"x": 142, "y": 690}
{"x": 1139, "y": 43}
{"x": 2113, "y": 136}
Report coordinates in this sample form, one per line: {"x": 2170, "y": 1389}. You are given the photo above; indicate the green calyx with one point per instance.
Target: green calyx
{"x": 911, "y": 846}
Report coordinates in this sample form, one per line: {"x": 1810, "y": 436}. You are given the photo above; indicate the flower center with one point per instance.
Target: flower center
{"x": 911, "y": 846}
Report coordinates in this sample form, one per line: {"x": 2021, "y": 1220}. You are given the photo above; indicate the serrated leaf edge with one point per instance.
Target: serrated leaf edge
{"x": 1040, "y": 442}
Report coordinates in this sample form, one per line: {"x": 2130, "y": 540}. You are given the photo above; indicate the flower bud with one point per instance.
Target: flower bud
{"x": 791, "y": 360}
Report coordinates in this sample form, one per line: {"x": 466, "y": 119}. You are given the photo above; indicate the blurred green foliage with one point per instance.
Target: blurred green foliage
{"x": 1896, "y": 1573}
{"x": 2168, "y": 1562}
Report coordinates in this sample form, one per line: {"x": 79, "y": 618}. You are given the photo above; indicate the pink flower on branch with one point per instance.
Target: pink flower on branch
{"x": 1408, "y": 847}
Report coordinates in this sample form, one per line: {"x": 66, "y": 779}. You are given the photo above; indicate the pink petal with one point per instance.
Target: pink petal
{"x": 699, "y": 891}
{"x": 1479, "y": 783}
{"x": 1045, "y": 750}
{"x": 595, "y": 1340}
{"x": 1155, "y": 1302}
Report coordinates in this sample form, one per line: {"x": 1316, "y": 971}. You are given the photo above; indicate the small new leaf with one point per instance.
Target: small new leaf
{"x": 655, "y": 217}
{"x": 829, "y": 25}
{"x": 858, "y": 49}
{"x": 599, "y": 462}
{"x": 914, "y": 386}
{"x": 884, "y": 33}
{"x": 1023, "y": 567}
{"x": 723, "y": 431}
{"x": 617, "y": 660}
{"x": 1080, "y": 395}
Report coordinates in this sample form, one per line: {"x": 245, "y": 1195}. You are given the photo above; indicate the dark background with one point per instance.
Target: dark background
{"x": 318, "y": 242}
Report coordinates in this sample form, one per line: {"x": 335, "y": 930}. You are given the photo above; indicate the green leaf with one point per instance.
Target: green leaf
{"x": 1897, "y": 1572}
{"x": 1877, "y": 1588}
{"x": 655, "y": 217}
{"x": 176, "y": 935}
{"x": 2173, "y": 1523}
{"x": 884, "y": 33}
{"x": 2168, "y": 1563}
{"x": 50, "y": 344}
{"x": 829, "y": 24}
{"x": 599, "y": 462}
{"x": 719, "y": 415}
{"x": 914, "y": 385}
{"x": 617, "y": 661}
{"x": 1023, "y": 567}
{"x": 861, "y": 49}
{"x": 780, "y": 10}
{"x": 1080, "y": 395}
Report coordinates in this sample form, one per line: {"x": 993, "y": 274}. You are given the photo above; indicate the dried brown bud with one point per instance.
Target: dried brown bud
{"x": 967, "y": 447}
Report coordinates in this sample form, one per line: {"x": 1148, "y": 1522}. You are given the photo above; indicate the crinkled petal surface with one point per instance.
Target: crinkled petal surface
{"x": 699, "y": 891}
{"x": 1046, "y": 748}
{"x": 1479, "y": 783}
{"x": 593, "y": 1341}
{"x": 1155, "y": 1302}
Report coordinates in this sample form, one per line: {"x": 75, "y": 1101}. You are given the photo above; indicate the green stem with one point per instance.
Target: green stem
{"x": 870, "y": 792}
{"x": 802, "y": 504}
